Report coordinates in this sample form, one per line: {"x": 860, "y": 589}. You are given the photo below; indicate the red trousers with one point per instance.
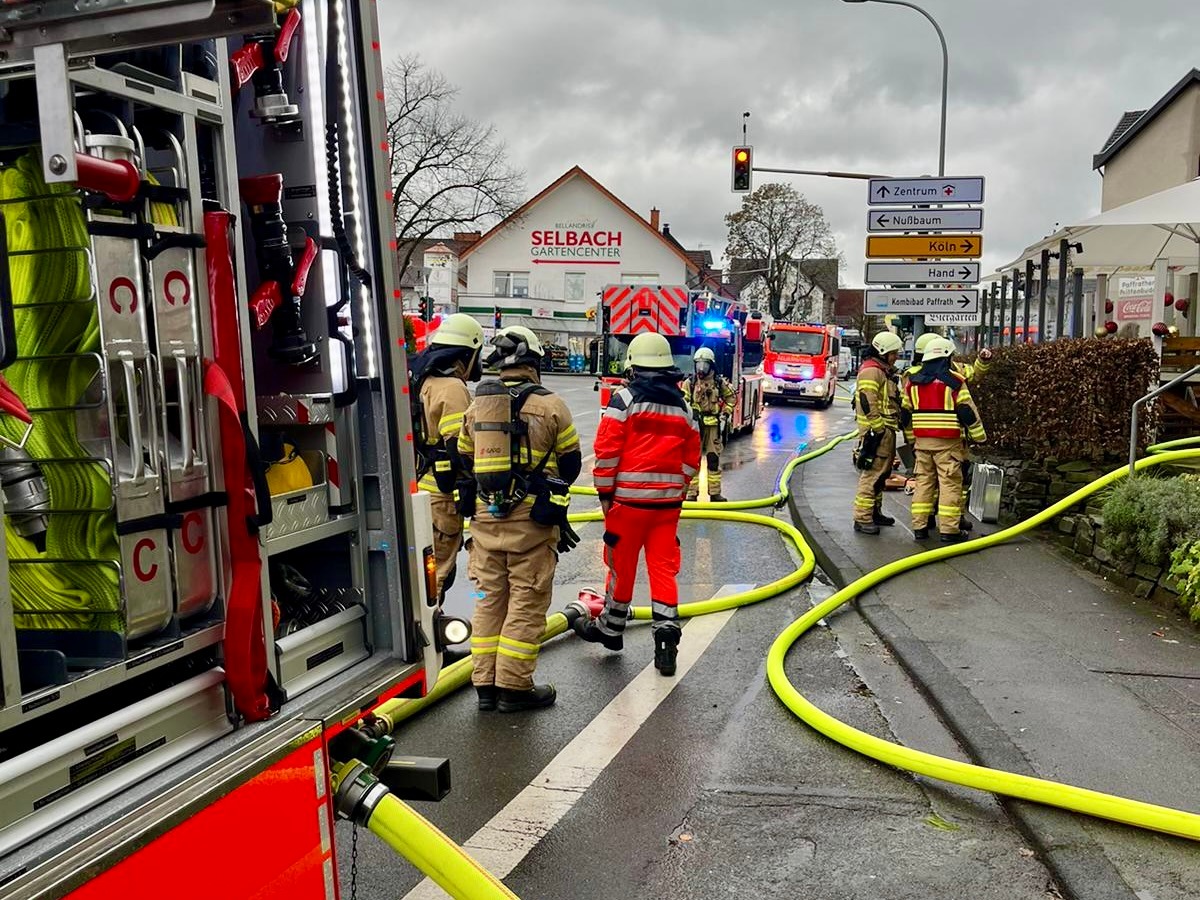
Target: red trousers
{"x": 628, "y": 530}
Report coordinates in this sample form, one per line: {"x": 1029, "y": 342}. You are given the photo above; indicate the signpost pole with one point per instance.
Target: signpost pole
{"x": 1077, "y": 303}
{"x": 991, "y": 319}
{"x": 1003, "y": 308}
{"x": 1042, "y": 284}
{"x": 1028, "y": 294}
{"x": 1012, "y": 327}
{"x": 1060, "y": 307}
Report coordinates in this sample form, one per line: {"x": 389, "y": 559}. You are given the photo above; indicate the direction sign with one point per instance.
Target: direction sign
{"x": 935, "y": 246}
{"x": 895, "y": 191}
{"x": 923, "y": 273}
{"x": 952, "y": 319}
{"x": 920, "y": 302}
{"x": 925, "y": 220}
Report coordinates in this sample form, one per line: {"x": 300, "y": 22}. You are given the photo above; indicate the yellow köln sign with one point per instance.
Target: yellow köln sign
{"x": 925, "y": 246}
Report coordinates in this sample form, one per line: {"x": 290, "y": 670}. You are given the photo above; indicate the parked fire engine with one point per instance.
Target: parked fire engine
{"x": 689, "y": 320}
{"x": 801, "y": 362}
{"x": 191, "y": 288}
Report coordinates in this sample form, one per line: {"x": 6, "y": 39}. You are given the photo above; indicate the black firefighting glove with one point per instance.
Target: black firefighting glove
{"x": 567, "y": 538}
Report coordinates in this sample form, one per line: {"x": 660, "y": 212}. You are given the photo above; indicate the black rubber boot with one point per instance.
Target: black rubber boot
{"x": 666, "y": 648}
{"x": 589, "y": 630}
{"x": 964, "y": 524}
{"x": 956, "y": 538}
{"x": 921, "y": 534}
{"x": 871, "y": 528}
{"x": 716, "y": 498}
{"x": 880, "y": 519}
{"x": 931, "y": 523}
{"x": 488, "y": 694}
{"x": 537, "y": 697}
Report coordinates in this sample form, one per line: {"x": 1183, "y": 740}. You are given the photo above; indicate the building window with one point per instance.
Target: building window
{"x": 510, "y": 284}
{"x": 574, "y": 287}
{"x": 627, "y": 278}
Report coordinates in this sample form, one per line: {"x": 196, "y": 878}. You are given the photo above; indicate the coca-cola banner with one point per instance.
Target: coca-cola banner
{"x": 1135, "y": 298}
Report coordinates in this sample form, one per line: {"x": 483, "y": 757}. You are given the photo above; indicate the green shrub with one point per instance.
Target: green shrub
{"x": 1185, "y": 571}
{"x": 1146, "y": 519}
{"x": 1066, "y": 399}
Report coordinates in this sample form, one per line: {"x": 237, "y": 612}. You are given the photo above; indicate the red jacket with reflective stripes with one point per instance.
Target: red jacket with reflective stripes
{"x": 648, "y": 444}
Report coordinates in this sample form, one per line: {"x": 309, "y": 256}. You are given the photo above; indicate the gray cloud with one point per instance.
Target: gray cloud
{"x": 648, "y": 96}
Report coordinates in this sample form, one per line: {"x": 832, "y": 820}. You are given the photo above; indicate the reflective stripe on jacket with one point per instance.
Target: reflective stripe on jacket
{"x": 936, "y": 410}
{"x": 647, "y": 446}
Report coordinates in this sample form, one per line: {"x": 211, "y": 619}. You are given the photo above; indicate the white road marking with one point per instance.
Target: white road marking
{"x": 501, "y": 844}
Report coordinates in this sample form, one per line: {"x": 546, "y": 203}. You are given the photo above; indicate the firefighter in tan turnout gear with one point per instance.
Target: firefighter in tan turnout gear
{"x": 520, "y": 443}
{"x": 438, "y": 380}
{"x": 711, "y": 398}
{"x": 877, "y": 408}
{"x": 940, "y": 409}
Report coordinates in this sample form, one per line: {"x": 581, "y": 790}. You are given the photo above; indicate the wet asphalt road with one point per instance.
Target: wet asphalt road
{"x": 712, "y": 789}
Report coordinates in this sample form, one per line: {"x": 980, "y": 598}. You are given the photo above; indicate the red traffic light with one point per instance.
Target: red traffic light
{"x": 742, "y": 167}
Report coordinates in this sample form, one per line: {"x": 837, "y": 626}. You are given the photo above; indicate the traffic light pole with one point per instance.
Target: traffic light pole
{"x": 861, "y": 176}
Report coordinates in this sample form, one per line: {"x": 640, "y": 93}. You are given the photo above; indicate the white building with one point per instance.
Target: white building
{"x": 545, "y": 265}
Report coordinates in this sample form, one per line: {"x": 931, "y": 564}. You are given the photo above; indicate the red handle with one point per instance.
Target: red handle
{"x": 261, "y": 190}
{"x": 116, "y": 178}
{"x": 11, "y": 404}
{"x": 303, "y": 265}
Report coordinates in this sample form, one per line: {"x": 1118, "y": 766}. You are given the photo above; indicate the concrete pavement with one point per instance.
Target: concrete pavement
{"x": 1041, "y": 668}
{"x": 712, "y": 789}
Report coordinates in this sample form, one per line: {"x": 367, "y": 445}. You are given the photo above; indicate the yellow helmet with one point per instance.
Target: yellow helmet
{"x": 458, "y": 330}
{"x": 650, "y": 351}
{"x": 887, "y": 342}
{"x": 925, "y": 340}
{"x": 939, "y": 348}
{"x": 705, "y": 354}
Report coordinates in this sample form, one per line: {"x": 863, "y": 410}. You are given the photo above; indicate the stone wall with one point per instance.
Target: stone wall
{"x": 1081, "y": 534}
{"x": 1032, "y": 485}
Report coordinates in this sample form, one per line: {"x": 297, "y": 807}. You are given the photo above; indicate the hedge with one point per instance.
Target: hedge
{"x": 1066, "y": 399}
{"x": 1147, "y": 518}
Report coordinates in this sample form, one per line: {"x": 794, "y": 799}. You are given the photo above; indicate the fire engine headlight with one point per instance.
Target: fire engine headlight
{"x": 806, "y": 372}
{"x": 449, "y": 630}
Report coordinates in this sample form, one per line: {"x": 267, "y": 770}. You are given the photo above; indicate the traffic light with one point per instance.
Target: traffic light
{"x": 426, "y": 308}
{"x": 743, "y": 162}
{"x": 497, "y": 318}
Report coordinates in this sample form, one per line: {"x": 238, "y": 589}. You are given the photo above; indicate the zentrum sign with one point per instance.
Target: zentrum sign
{"x": 575, "y": 242}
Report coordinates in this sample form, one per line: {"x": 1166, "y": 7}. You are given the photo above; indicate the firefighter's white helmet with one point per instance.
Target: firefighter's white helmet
{"x": 925, "y": 340}
{"x": 458, "y": 330}
{"x": 650, "y": 351}
{"x": 887, "y": 342}
{"x": 941, "y": 348}
{"x": 705, "y": 354}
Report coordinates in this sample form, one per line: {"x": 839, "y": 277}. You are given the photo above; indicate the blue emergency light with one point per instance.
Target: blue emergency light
{"x": 713, "y": 324}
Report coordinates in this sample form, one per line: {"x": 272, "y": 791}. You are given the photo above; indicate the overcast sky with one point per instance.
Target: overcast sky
{"x": 647, "y": 96}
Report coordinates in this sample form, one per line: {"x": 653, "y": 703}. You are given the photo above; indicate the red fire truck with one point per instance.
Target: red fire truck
{"x": 689, "y": 320}
{"x": 801, "y": 362}
{"x": 186, "y": 634}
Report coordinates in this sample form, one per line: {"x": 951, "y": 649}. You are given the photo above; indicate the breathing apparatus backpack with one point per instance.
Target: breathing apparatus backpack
{"x": 432, "y": 455}
{"x": 502, "y": 449}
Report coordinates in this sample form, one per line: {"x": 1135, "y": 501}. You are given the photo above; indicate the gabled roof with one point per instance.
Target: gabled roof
{"x": 577, "y": 172}
{"x": 1126, "y": 131}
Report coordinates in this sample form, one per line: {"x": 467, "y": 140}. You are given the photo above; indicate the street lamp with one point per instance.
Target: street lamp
{"x": 945, "y": 69}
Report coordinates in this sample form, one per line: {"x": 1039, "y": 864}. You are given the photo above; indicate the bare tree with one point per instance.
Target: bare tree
{"x": 779, "y": 230}
{"x": 449, "y": 172}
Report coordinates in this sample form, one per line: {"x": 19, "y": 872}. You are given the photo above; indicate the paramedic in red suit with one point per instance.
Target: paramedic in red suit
{"x": 647, "y": 452}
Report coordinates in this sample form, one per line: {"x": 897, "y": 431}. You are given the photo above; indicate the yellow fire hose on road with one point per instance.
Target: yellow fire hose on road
{"x": 1177, "y": 822}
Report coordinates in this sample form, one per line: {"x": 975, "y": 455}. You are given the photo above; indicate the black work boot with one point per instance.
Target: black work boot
{"x": 488, "y": 695}
{"x": 869, "y": 528}
{"x": 878, "y": 518}
{"x": 589, "y": 630}
{"x": 666, "y": 648}
{"x": 716, "y": 498}
{"x": 537, "y": 697}
{"x": 964, "y": 524}
{"x": 957, "y": 538}
{"x": 920, "y": 534}
{"x": 931, "y": 523}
